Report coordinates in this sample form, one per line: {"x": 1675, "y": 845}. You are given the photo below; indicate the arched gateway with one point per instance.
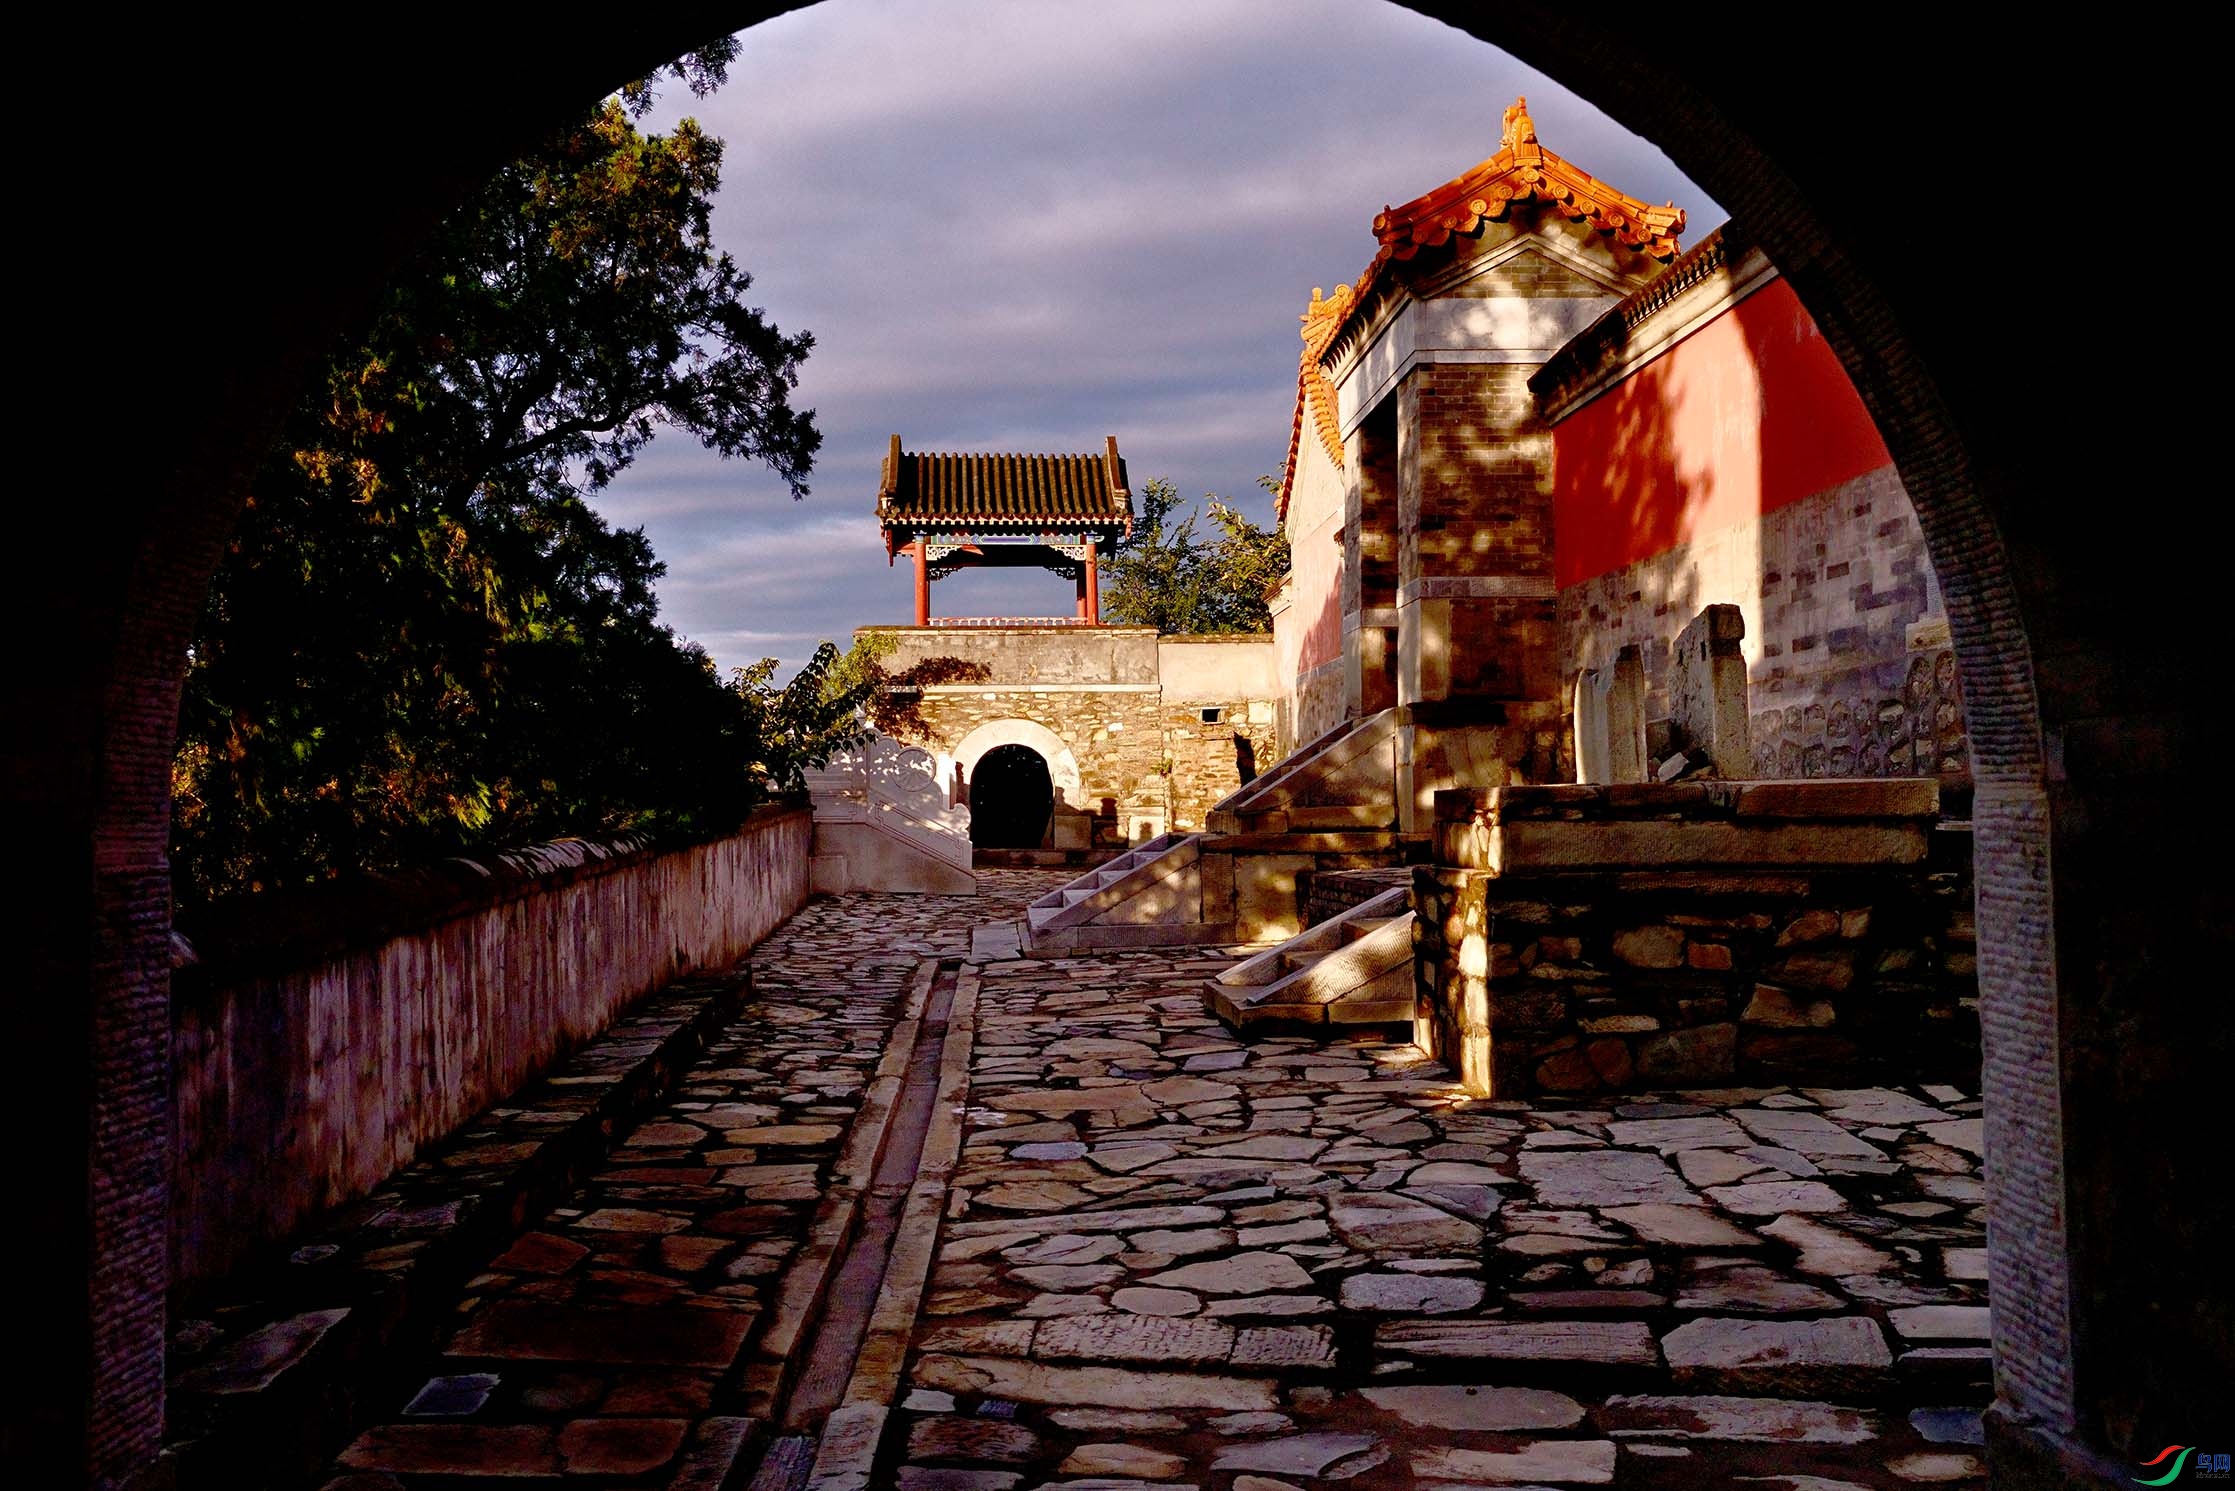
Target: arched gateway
{"x": 2074, "y": 660}
{"x": 1138, "y": 733}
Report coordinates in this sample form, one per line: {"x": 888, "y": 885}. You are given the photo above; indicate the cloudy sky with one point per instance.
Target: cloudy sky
{"x": 1017, "y": 225}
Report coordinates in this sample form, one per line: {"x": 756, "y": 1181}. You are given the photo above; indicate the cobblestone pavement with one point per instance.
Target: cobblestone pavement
{"x": 595, "y": 1343}
{"x": 1175, "y": 1259}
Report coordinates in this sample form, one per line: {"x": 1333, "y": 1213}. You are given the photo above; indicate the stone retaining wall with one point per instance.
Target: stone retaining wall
{"x": 320, "y": 1042}
{"x": 1761, "y": 966}
{"x": 1329, "y": 893}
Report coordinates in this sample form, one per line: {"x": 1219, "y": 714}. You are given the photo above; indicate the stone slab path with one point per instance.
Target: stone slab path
{"x": 1172, "y": 1258}
{"x": 613, "y": 1342}
{"x": 1168, "y": 1258}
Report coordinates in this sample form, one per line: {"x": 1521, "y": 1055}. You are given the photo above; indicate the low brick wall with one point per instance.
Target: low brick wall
{"x": 322, "y": 1039}
{"x": 1329, "y": 893}
{"x": 1764, "y": 967}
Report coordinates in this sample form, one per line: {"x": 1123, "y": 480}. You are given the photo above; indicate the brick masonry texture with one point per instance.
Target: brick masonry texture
{"x": 1207, "y": 756}
{"x": 1132, "y": 750}
{"x": 1851, "y": 669}
{"x": 1328, "y": 893}
{"x": 1116, "y": 738}
{"x": 1474, "y": 474}
{"x": 1616, "y": 982}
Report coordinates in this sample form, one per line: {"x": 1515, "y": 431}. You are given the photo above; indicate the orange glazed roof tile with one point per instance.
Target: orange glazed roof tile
{"x": 1522, "y": 171}
{"x": 1315, "y": 394}
{"x": 934, "y": 489}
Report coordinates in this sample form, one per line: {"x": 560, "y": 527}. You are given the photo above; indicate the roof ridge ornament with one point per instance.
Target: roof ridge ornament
{"x": 1520, "y": 128}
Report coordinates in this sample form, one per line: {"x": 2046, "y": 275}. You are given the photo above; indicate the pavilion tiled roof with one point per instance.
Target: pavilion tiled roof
{"x": 1522, "y": 171}
{"x": 1004, "y": 490}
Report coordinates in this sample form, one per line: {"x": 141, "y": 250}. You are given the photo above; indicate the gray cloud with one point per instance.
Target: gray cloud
{"x": 1019, "y": 225}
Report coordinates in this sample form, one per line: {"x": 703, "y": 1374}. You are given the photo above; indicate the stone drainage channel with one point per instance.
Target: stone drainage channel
{"x": 829, "y": 1422}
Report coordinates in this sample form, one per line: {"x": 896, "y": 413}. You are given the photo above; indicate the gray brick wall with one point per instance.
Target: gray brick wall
{"x": 1852, "y": 671}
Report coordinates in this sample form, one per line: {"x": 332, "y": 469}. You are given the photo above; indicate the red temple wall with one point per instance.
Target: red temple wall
{"x": 1749, "y": 414}
{"x": 1739, "y": 466}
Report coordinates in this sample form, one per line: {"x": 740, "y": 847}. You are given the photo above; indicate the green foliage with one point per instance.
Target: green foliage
{"x": 893, "y": 699}
{"x": 1166, "y": 577}
{"x": 805, "y": 722}
{"x": 422, "y": 639}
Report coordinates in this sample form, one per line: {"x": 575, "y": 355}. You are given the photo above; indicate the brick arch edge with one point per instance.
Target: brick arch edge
{"x": 1063, "y": 767}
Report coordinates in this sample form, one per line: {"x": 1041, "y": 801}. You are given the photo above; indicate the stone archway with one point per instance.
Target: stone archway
{"x": 1011, "y": 798}
{"x": 1063, "y": 767}
{"x": 2098, "y": 1058}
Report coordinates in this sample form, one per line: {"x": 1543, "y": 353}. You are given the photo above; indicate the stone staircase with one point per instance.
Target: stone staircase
{"x": 1352, "y": 969}
{"x": 1342, "y": 782}
{"x": 883, "y": 823}
{"x": 1329, "y": 805}
{"x": 1150, "y": 896}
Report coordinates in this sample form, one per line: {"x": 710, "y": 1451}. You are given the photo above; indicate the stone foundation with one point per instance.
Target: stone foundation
{"x": 1763, "y": 947}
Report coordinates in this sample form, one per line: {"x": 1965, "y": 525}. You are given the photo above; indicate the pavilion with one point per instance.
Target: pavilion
{"x": 1058, "y": 512}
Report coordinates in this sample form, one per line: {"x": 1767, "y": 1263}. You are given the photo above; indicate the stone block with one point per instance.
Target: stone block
{"x": 1707, "y": 688}
{"x": 1775, "y": 1007}
{"x": 1610, "y": 721}
{"x": 1610, "y": 1058}
{"x": 1694, "y": 1055}
{"x": 1778, "y": 1356}
{"x": 1861, "y": 797}
{"x": 1829, "y": 972}
{"x": 1650, "y": 947}
{"x": 1265, "y": 895}
{"x": 1542, "y": 848}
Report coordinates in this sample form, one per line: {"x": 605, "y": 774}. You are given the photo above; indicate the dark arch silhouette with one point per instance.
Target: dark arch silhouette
{"x": 1914, "y": 183}
{"x": 1011, "y": 798}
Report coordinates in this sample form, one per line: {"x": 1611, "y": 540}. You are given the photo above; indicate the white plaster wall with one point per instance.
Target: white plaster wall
{"x": 1307, "y": 632}
{"x": 1217, "y": 670}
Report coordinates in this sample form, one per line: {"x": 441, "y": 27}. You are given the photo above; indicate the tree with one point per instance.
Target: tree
{"x": 1166, "y": 577}
{"x": 422, "y": 638}
{"x": 891, "y": 698}
{"x": 806, "y": 721}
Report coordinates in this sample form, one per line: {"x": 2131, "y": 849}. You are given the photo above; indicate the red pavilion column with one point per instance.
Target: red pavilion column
{"x": 923, "y": 582}
{"x": 1090, "y": 584}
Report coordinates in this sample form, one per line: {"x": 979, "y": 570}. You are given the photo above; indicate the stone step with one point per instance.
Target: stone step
{"x": 1355, "y": 968}
{"x": 1155, "y": 901}
{"x": 273, "y": 1394}
{"x": 1350, "y": 771}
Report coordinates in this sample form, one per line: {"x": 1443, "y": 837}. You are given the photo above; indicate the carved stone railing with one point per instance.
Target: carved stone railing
{"x": 894, "y": 788}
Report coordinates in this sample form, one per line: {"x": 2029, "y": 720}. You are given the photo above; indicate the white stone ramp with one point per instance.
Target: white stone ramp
{"x": 1355, "y": 968}
{"x": 883, "y": 823}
